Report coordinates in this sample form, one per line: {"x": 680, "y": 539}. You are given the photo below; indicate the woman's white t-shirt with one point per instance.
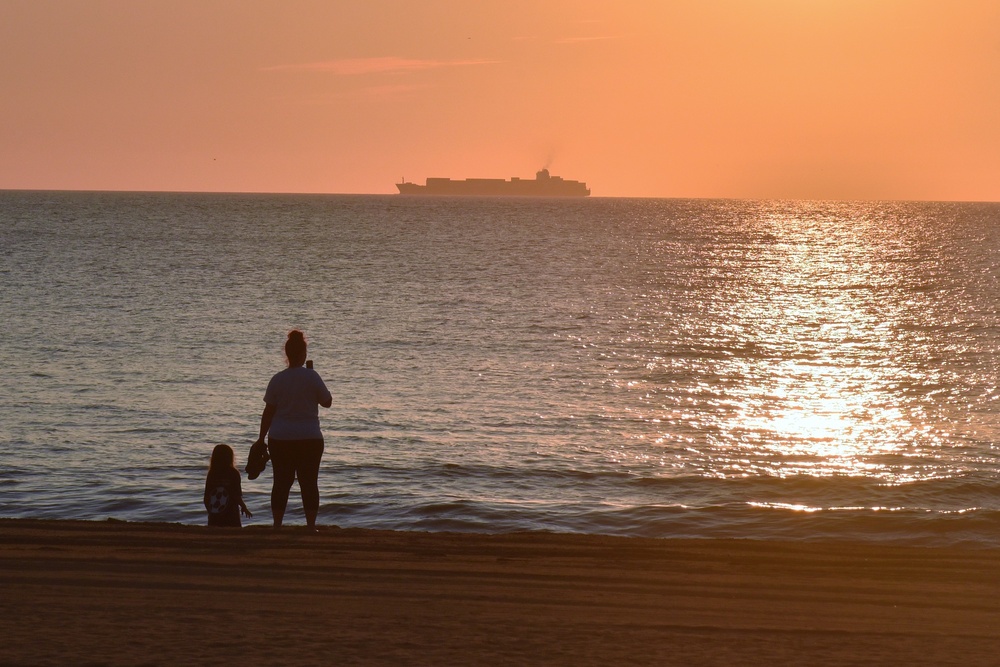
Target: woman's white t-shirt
{"x": 296, "y": 394}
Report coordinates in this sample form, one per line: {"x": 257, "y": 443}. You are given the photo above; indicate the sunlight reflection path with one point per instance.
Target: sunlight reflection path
{"x": 829, "y": 403}
{"x": 798, "y": 347}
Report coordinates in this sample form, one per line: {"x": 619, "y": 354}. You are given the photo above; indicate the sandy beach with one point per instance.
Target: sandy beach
{"x": 112, "y": 593}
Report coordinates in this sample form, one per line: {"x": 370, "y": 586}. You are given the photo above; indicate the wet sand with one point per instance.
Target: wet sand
{"x": 109, "y": 593}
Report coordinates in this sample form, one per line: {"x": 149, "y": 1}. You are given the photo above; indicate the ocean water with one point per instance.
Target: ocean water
{"x": 692, "y": 368}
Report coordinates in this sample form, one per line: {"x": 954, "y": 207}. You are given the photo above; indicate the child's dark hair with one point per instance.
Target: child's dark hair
{"x": 223, "y": 458}
{"x": 295, "y": 347}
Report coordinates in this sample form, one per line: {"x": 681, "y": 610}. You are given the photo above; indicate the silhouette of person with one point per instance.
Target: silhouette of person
{"x": 223, "y": 494}
{"x": 291, "y": 423}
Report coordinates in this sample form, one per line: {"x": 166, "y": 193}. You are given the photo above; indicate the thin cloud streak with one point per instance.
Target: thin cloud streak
{"x": 380, "y": 65}
{"x": 578, "y": 40}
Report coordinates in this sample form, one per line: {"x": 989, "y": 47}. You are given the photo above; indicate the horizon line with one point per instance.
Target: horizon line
{"x": 422, "y": 197}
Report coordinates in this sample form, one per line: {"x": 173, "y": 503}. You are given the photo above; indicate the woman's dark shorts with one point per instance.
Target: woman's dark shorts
{"x": 296, "y": 458}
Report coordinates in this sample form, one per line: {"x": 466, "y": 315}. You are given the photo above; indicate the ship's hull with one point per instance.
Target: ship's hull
{"x": 411, "y": 188}
{"x": 553, "y": 186}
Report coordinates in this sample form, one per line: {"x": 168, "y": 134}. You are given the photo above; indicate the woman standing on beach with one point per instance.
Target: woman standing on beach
{"x": 291, "y": 422}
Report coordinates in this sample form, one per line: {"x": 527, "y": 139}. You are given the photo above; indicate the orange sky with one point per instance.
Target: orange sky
{"x": 823, "y": 99}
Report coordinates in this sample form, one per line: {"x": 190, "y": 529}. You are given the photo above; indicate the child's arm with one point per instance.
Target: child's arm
{"x": 239, "y": 490}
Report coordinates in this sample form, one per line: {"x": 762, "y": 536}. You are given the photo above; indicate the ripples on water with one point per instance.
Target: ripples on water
{"x": 642, "y": 367}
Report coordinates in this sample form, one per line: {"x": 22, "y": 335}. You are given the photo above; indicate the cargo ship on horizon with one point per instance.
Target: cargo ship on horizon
{"x": 543, "y": 185}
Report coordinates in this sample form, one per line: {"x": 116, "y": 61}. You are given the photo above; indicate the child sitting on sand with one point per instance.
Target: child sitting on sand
{"x": 223, "y": 494}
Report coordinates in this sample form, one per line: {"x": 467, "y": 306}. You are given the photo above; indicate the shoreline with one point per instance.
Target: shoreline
{"x": 116, "y": 593}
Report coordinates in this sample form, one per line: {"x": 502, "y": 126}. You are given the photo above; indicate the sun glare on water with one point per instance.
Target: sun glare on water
{"x": 819, "y": 304}
{"x": 825, "y": 389}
